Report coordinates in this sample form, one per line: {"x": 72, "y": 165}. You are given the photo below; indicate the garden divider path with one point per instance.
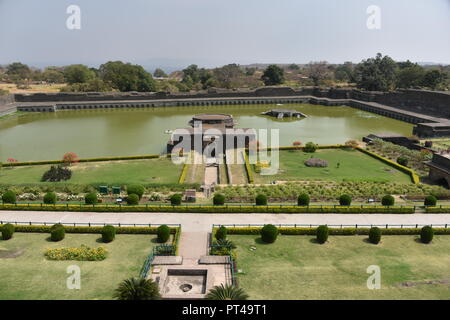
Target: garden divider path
{"x": 193, "y": 245}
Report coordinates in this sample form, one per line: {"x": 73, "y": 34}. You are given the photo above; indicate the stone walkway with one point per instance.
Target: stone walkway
{"x": 193, "y": 245}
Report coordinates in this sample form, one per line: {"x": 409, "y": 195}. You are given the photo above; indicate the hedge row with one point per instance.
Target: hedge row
{"x": 248, "y": 169}
{"x": 207, "y": 209}
{"x": 440, "y": 209}
{"x": 35, "y": 163}
{"x": 183, "y": 173}
{"x": 333, "y": 231}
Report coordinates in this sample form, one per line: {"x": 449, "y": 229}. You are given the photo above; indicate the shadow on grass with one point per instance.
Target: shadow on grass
{"x": 260, "y": 241}
{"x": 417, "y": 240}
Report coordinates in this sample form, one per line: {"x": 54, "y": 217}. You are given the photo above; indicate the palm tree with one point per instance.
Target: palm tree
{"x": 137, "y": 289}
{"x": 227, "y": 292}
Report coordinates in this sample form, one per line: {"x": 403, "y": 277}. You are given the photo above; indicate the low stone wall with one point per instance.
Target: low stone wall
{"x": 7, "y": 105}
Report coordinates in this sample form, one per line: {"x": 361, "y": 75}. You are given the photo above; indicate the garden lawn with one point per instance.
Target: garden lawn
{"x": 32, "y": 276}
{"x": 296, "y": 267}
{"x": 148, "y": 171}
{"x": 353, "y": 165}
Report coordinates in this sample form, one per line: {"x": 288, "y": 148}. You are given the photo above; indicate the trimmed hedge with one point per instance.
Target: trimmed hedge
{"x": 7, "y": 231}
{"x": 136, "y": 189}
{"x": 9, "y": 197}
{"x": 248, "y": 169}
{"x": 163, "y": 233}
{"x": 50, "y": 198}
{"x": 440, "y": 209}
{"x": 91, "y": 198}
{"x": 57, "y": 232}
{"x": 221, "y": 233}
{"x": 426, "y": 234}
{"x": 132, "y": 199}
{"x": 219, "y": 199}
{"x": 388, "y": 200}
{"x": 430, "y": 200}
{"x": 303, "y": 199}
{"x": 345, "y": 200}
{"x": 261, "y": 200}
{"x": 322, "y": 233}
{"x": 183, "y": 173}
{"x": 108, "y": 233}
{"x": 375, "y": 235}
{"x": 175, "y": 199}
{"x": 269, "y": 233}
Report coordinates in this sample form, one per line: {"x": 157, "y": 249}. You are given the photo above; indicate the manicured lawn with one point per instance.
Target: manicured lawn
{"x": 296, "y": 267}
{"x": 353, "y": 165}
{"x": 148, "y": 171}
{"x": 32, "y": 276}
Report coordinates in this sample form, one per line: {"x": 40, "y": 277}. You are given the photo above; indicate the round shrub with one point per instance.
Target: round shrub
{"x": 9, "y": 197}
{"x": 269, "y": 233}
{"x": 303, "y": 199}
{"x": 430, "y": 201}
{"x": 322, "y": 234}
{"x": 221, "y": 233}
{"x": 375, "y": 235}
{"x": 132, "y": 199}
{"x": 50, "y": 198}
{"x": 175, "y": 199}
{"x": 136, "y": 189}
{"x": 426, "y": 234}
{"x": 8, "y": 231}
{"x": 345, "y": 200}
{"x": 388, "y": 200}
{"x": 91, "y": 198}
{"x": 261, "y": 200}
{"x": 219, "y": 199}
{"x": 310, "y": 147}
{"x": 402, "y": 161}
{"x": 57, "y": 232}
{"x": 163, "y": 233}
{"x": 108, "y": 233}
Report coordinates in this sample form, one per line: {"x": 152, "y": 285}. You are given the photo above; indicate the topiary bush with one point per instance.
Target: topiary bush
{"x": 261, "y": 200}
{"x": 8, "y": 231}
{"x": 221, "y": 233}
{"x": 303, "y": 199}
{"x": 375, "y": 235}
{"x": 50, "y": 198}
{"x": 426, "y": 234}
{"x": 9, "y": 197}
{"x": 163, "y": 233}
{"x": 269, "y": 233}
{"x": 430, "y": 200}
{"x": 322, "y": 233}
{"x": 57, "y": 232}
{"x": 388, "y": 200}
{"x": 402, "y": 161}
{"x": 345, "y": 200}
{"x": 310, "y": 147}
{"x": 136, "y": 189}
{"x": 91, "y": 198}
{"x": 175, "y": 199}
{"x": 132, "y": 199}
{"x": 219, "y": 199}
{"x": 108, "y": 233}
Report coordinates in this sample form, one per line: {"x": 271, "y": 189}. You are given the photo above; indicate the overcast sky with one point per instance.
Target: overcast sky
{"x": 175, "y": 33}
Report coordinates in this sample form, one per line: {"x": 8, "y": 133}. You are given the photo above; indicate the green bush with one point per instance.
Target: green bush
{"x": 219, "y": 199}
{"x": 402, "y": 161}
{"x": 7, "y": 231}
{"x": 83, "y": 253}
{"x": 310, "y": 147}
{"x": 388, "y": 200}
{"x": 303, "y": 199}
{"x": 322, "y": 233}
{"x": 175, "y": 199}
{"x": 221, "y": 233}
{"x": 374, "y": 235}
{"x": 426, "y": 234}
{"x": 9, "y": 197}
{"x": 108, "y": 233}
{"x": 57, "y": 232}
{"x": 430, "y": 200}
{"x": 345, "y": 200}
{"x": 50, "y": 198}
{"x": 261, "y": 200}
{"x": 269, "y": 233}
{"x": 132, "y": 199}
{"x": 136, "y": 189}
{"x": 91, "y": 198}
{"x": 163, "y": 233}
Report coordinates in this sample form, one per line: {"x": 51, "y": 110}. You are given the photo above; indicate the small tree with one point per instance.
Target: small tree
{"x": 70, "y": 158}
{"x": 163, "y": 233}
{"x": 221, "y": 233}
{"x": 430, "y": 200}
{"x": 8, "y": 231}
{"x": 374, "y": 235}
{"x": 351, "y": 144}
{"x": 273, "y": 75}
{"x": 136, "y": 189}
{"x": 90, "y": 198}
{"x": 9, "y": 197}
{"x": 345, "y": 200}
{"x": 402, "y": 161}
{"x": 175, "y": 199}
{"x": 388, "y": 200}
{"x": 57, "y": 232}
{"x": 310, "y": 147}
{"x": 426, "y": 234}
{"x": 261, "y": 200}
{"x": 219, "y": 199}
{"x": 108, "y": 233}
{"x": 269, "y": 233}
{"x": 137, "y": 289}
{"x": 322, "y": 234}
{"x": 303, "y": 199}
{"x": 132, "y": 199}
{"x": 50, "y": 198}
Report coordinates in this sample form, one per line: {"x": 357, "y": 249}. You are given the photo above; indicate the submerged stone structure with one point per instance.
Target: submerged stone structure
{"x": 284, "y": 113}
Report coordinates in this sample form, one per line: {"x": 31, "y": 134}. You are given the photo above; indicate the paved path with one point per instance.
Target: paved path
{"x": 198, "y": 222}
